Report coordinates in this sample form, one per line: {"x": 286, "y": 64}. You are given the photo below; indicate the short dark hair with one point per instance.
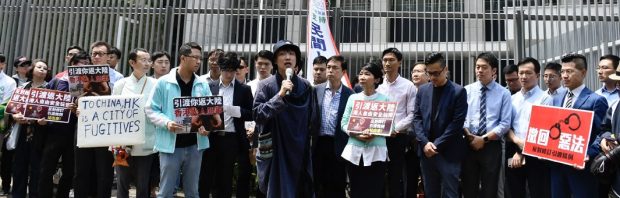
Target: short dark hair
{"x": 159, "y": 54}
{"x": 530, "y": 60}
{"x": 615, "y": 60}
{"x": 2, "y": 58}
{"x": 48, "y": 76}
{"x": 266, "y": 54}
{"x": 319, "y": 60}
{"x": 579, "y": 60}
{"x": 186, "y": 48}
{"x": 134, "y": 54}
{"x": 219, "y": 53}
{"x": 115, "y": 51}
{"x": 489, "y": 58}
{"x": 74, "y": 47}
{"x": 375, "y": 70}
{"x": 245, "y": 60}
{"x": 435, "y": 57}
{"x": 343, "y": 63}
{"x": 394, "y": 51}
{"x": 556, "y": 67}
{"x": 100, "y": 43}
{"x": 229, "y": 61}
{"x": 510, "y": 68}
{"x": 78, "y": 57}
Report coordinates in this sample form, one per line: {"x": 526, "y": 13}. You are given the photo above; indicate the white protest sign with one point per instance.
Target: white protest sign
{"x": 110, "y": 120}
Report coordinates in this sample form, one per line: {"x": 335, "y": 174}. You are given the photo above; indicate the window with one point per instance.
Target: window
{"x": 355, "y": 5}
{"x": 273, "y": 29}
{"x": 495, "y": 30}
{"x": 355, "y": 30}
{"x": 426, "y": 30}
{"x": 428, "y": 5}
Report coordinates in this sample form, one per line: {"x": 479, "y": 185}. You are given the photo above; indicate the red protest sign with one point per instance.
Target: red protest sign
{"x": 35, "y": 103}
{"x": 558, "y": 134}
{"x": 376, "y": 116}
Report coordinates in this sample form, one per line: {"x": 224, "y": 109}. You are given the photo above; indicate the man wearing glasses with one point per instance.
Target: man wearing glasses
{"x": 440, "y": 110}
{"x": 99, "y": 53}
{"x": 567, "y": 181}
{"x": 214, "y": 69}
{"x": 403, "y": 91}
{"x": 178, "y": 150}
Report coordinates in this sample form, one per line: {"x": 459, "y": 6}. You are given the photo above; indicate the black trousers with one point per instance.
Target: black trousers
{"x": 329, "y": 169}
{"x": 57, "y": 144}
{"x": 367, "y": 181}
{"x": 98, "y": 160}
{"x": 26, "y": 165}
{"x": 6, "y": 165}
{"x": 480, "y": 171}
{"x": 220, "y": 162}
{"x": 534, "y": 176}
{"x": 245, "y": 172}
{"x": 396, "y": 166}
{"x": 412, "y": 169}
{"x": 139, "y": 172}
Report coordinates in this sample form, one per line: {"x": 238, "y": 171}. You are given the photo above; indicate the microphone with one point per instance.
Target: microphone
{"x": 289, "y": 74}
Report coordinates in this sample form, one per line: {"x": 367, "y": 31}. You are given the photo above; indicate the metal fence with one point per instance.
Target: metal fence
{"x": 512, "y": 29}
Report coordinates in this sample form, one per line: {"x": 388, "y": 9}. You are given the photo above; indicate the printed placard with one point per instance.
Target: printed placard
{"x": 110, "y": 120}
{"x": 558, "y": 134}
{"x": 36, "y": 103}
{"x": 375, "y": 116}
{"x": 89, "y": 80}
{"x": 194, "y": 112}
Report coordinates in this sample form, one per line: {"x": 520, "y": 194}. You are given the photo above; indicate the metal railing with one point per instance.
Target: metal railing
{"x": 544, "y": 29}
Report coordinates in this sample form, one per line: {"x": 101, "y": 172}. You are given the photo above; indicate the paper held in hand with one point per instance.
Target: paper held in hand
{"x": 110, "y": 121}
{"x": 194, "y": 112}
{"x": 376, "y": 117}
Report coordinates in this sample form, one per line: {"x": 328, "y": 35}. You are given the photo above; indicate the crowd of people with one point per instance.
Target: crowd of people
{"x": 446, "y": 139}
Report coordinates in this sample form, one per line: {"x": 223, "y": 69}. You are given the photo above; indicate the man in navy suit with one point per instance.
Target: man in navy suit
{"x": 329, "y": 141}
{"x": 567, "y": 181}
{"x": 440, "y": 110}
{"x": 226, "y": 145}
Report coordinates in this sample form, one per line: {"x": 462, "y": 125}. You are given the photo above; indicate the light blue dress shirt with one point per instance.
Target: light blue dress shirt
{"x": 498, "y": 104}
{"x": 522, "y": 108}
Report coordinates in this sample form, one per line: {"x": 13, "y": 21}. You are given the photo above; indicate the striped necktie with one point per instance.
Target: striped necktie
{"x": 569, "y": 101}
{"x": 482, "y": 125}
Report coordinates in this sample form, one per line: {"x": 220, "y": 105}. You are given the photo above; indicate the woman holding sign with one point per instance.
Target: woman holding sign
{"x": 30, "y": 137}
{"x": 365, "y": 152}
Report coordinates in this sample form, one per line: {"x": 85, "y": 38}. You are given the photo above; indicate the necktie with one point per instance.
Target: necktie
{"x": 482, "y": 125}
{"x": 569, "y": 102}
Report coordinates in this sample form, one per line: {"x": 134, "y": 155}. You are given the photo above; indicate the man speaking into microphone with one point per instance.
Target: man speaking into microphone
{"x": 283, "y": 109}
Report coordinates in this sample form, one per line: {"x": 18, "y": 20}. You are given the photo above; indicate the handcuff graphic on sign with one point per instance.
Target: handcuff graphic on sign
{"x": 566, "y": 122}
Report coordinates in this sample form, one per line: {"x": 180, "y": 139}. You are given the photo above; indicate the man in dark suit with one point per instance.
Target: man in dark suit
{"x": 567, "y": 181}
{"x": 329, "y": 140}
{"x": 440, "y": 111}
{"x": 226, "y": 145}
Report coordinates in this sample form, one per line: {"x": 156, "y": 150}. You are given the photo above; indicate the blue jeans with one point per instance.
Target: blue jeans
{"x": 189, "y": 159}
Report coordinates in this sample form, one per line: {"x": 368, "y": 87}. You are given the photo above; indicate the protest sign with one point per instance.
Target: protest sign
{"x": 376, "y": 116}
{"x": 110, "y": 120}
{"x": 194, "y": 112}
{"x": 89, "y": 80}
{"x": 35, "y": 103}
{"x": 558, "y": 134}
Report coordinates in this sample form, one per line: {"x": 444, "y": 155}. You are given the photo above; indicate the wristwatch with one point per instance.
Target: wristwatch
{"x": 486, "y": 139}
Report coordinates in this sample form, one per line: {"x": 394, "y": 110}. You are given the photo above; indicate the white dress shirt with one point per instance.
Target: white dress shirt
{"x": 402, "y": 91}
